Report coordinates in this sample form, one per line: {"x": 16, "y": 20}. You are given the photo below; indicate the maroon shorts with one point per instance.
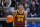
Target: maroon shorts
{"x": 19, "y": 26}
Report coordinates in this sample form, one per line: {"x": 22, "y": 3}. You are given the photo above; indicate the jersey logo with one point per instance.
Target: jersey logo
{"x": 20, "y": 18}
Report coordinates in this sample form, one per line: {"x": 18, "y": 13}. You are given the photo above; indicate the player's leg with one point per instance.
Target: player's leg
{"x": 23, "y": 26}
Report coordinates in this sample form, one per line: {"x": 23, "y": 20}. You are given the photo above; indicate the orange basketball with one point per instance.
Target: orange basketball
{"x": 9, "y": 18}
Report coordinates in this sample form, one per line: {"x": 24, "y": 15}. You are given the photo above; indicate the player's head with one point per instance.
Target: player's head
{"x": 20, "y": 5}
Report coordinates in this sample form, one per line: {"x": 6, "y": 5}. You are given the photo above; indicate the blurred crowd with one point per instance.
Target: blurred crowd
{"x": 31, "y": 6}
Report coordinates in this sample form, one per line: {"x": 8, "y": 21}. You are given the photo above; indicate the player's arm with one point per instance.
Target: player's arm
{"x": 14, "y": 13}
{"x": 25, "y": 19}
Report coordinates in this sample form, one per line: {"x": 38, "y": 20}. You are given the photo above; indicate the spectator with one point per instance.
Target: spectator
{"x": 0, "y": 3}
{"x": 1, "y": 12}
{"x": 33, "y": 24}
{"x": 28, "y": 2}
{"x": 39, "y": 11}
{"x": 33, "y": 10}
{"x": 9, "y": 10}
{"x": 36, "y": 3}
{"x": 27, "y": 8}
{"x": 13, "y": 4}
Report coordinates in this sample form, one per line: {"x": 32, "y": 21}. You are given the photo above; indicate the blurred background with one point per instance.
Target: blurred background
{"x": 31, "y": 6}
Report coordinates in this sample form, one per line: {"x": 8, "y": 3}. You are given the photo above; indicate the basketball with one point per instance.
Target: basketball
{"x": 9, "y": 18}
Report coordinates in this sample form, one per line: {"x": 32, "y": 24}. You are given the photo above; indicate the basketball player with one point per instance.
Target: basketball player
{"x": 20, "y": 16}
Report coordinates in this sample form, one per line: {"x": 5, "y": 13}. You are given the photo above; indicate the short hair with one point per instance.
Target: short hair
{"x": 20, "y": 3}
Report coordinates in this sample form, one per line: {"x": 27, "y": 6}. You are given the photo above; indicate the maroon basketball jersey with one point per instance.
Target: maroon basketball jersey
{"x": 19, "y": 19}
